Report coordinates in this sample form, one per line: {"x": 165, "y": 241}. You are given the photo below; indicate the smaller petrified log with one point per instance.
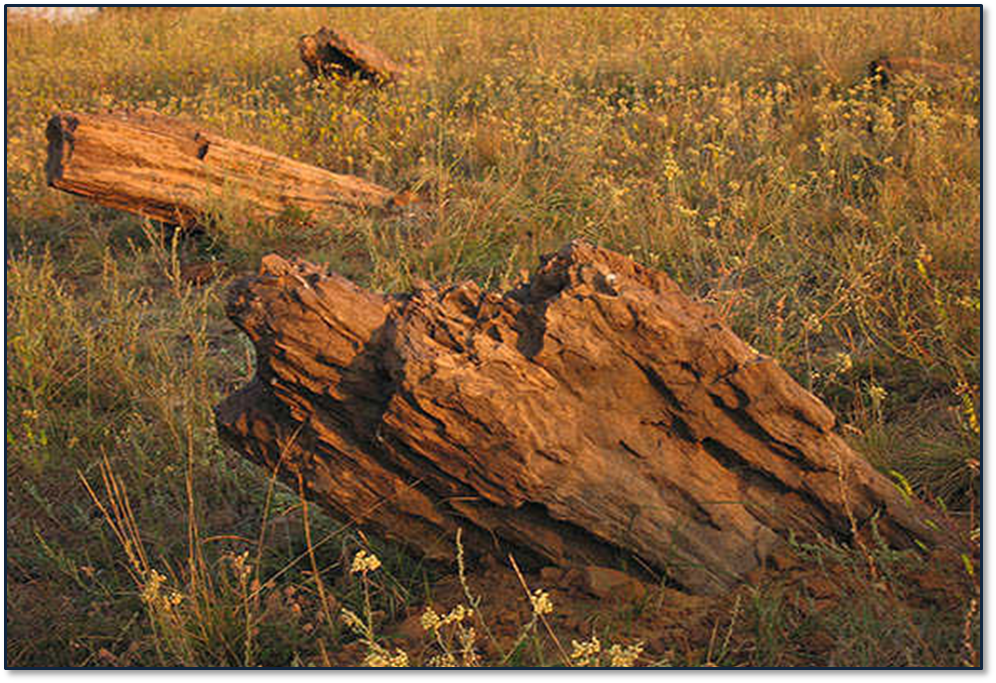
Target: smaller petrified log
{"x": 174, "y": 171}
{"x": 330, "y": 52}
{"x": 885, "y": 70}
{"x": 592, "y": 413}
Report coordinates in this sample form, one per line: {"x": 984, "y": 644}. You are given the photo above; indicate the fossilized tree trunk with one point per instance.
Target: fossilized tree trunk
{"x": 330, "y": 52}
{"x": 938, "y": 74}
{"x": 591, "y": 413}
{"x": 174, "y": 171}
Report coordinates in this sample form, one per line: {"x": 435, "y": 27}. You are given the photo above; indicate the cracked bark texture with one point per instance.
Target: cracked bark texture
{"x": 592, "y": 414}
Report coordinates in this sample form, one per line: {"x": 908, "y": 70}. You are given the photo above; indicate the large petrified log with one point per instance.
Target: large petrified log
{"x": 330, "y": 52}
{"x": 592, "y": 412}
{"x": 173, "y": 170}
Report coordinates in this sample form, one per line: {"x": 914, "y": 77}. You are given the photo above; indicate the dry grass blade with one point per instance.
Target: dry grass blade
{"x": 553, "y": 636}
{"x": 118, "y": 515}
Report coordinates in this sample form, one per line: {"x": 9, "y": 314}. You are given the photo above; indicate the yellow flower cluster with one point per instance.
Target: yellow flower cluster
{"x": 431, "y": 621}
{"x": 155, "y": 596}
{"x": 540, "y": 600}
{"x": 363, "y": 563}
{"x": 589, "y": 653}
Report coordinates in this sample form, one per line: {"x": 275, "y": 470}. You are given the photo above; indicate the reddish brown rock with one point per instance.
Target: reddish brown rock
{"x": 591, "y": 414}
{"x": 606, "y": 583}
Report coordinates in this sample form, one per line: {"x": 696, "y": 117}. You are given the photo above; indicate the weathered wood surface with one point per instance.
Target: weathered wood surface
{"x": 173, "y": 170}
{"x": 330, "y": 52}
{"x": 886, "y": 70}
{"x": 593, "y": 412}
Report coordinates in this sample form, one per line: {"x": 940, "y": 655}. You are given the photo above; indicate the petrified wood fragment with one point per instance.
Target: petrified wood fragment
{"x": 886, "y": 70}
{"x": 330, "y": 52}
{"x": 593, "y": 412}
{"x": 173, "y": 170}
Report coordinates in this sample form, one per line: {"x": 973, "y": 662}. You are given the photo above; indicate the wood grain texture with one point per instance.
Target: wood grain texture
{"x": 174, "y": 171}
{"x": 591, "y": 414}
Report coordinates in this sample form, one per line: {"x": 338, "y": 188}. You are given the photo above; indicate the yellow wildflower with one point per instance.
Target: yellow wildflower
{"x": 363, "y": 563}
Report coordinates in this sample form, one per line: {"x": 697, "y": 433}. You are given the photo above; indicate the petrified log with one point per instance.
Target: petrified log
{"x": 591, "y": 413}
{"x": 330, "y": 52}
{"x": 884, "y": 70}
{"x": 173, "y": 171}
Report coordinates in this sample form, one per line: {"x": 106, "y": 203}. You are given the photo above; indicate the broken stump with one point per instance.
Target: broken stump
{"x": 330, "y": 52}
{"x": 592, "y": 413}
{"x": 175, "y": 171}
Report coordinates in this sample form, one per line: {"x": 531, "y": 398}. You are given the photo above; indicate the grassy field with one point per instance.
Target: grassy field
{"x": 834, "y": 224}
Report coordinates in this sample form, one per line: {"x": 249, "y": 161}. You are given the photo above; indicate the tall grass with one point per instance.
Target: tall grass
{"x": 834, "y": 224}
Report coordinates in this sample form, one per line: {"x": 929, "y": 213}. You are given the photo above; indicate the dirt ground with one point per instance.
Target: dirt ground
{"x": 812, "y": 598}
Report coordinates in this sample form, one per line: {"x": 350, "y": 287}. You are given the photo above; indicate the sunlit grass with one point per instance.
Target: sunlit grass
{"x": 835, "y": 225}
